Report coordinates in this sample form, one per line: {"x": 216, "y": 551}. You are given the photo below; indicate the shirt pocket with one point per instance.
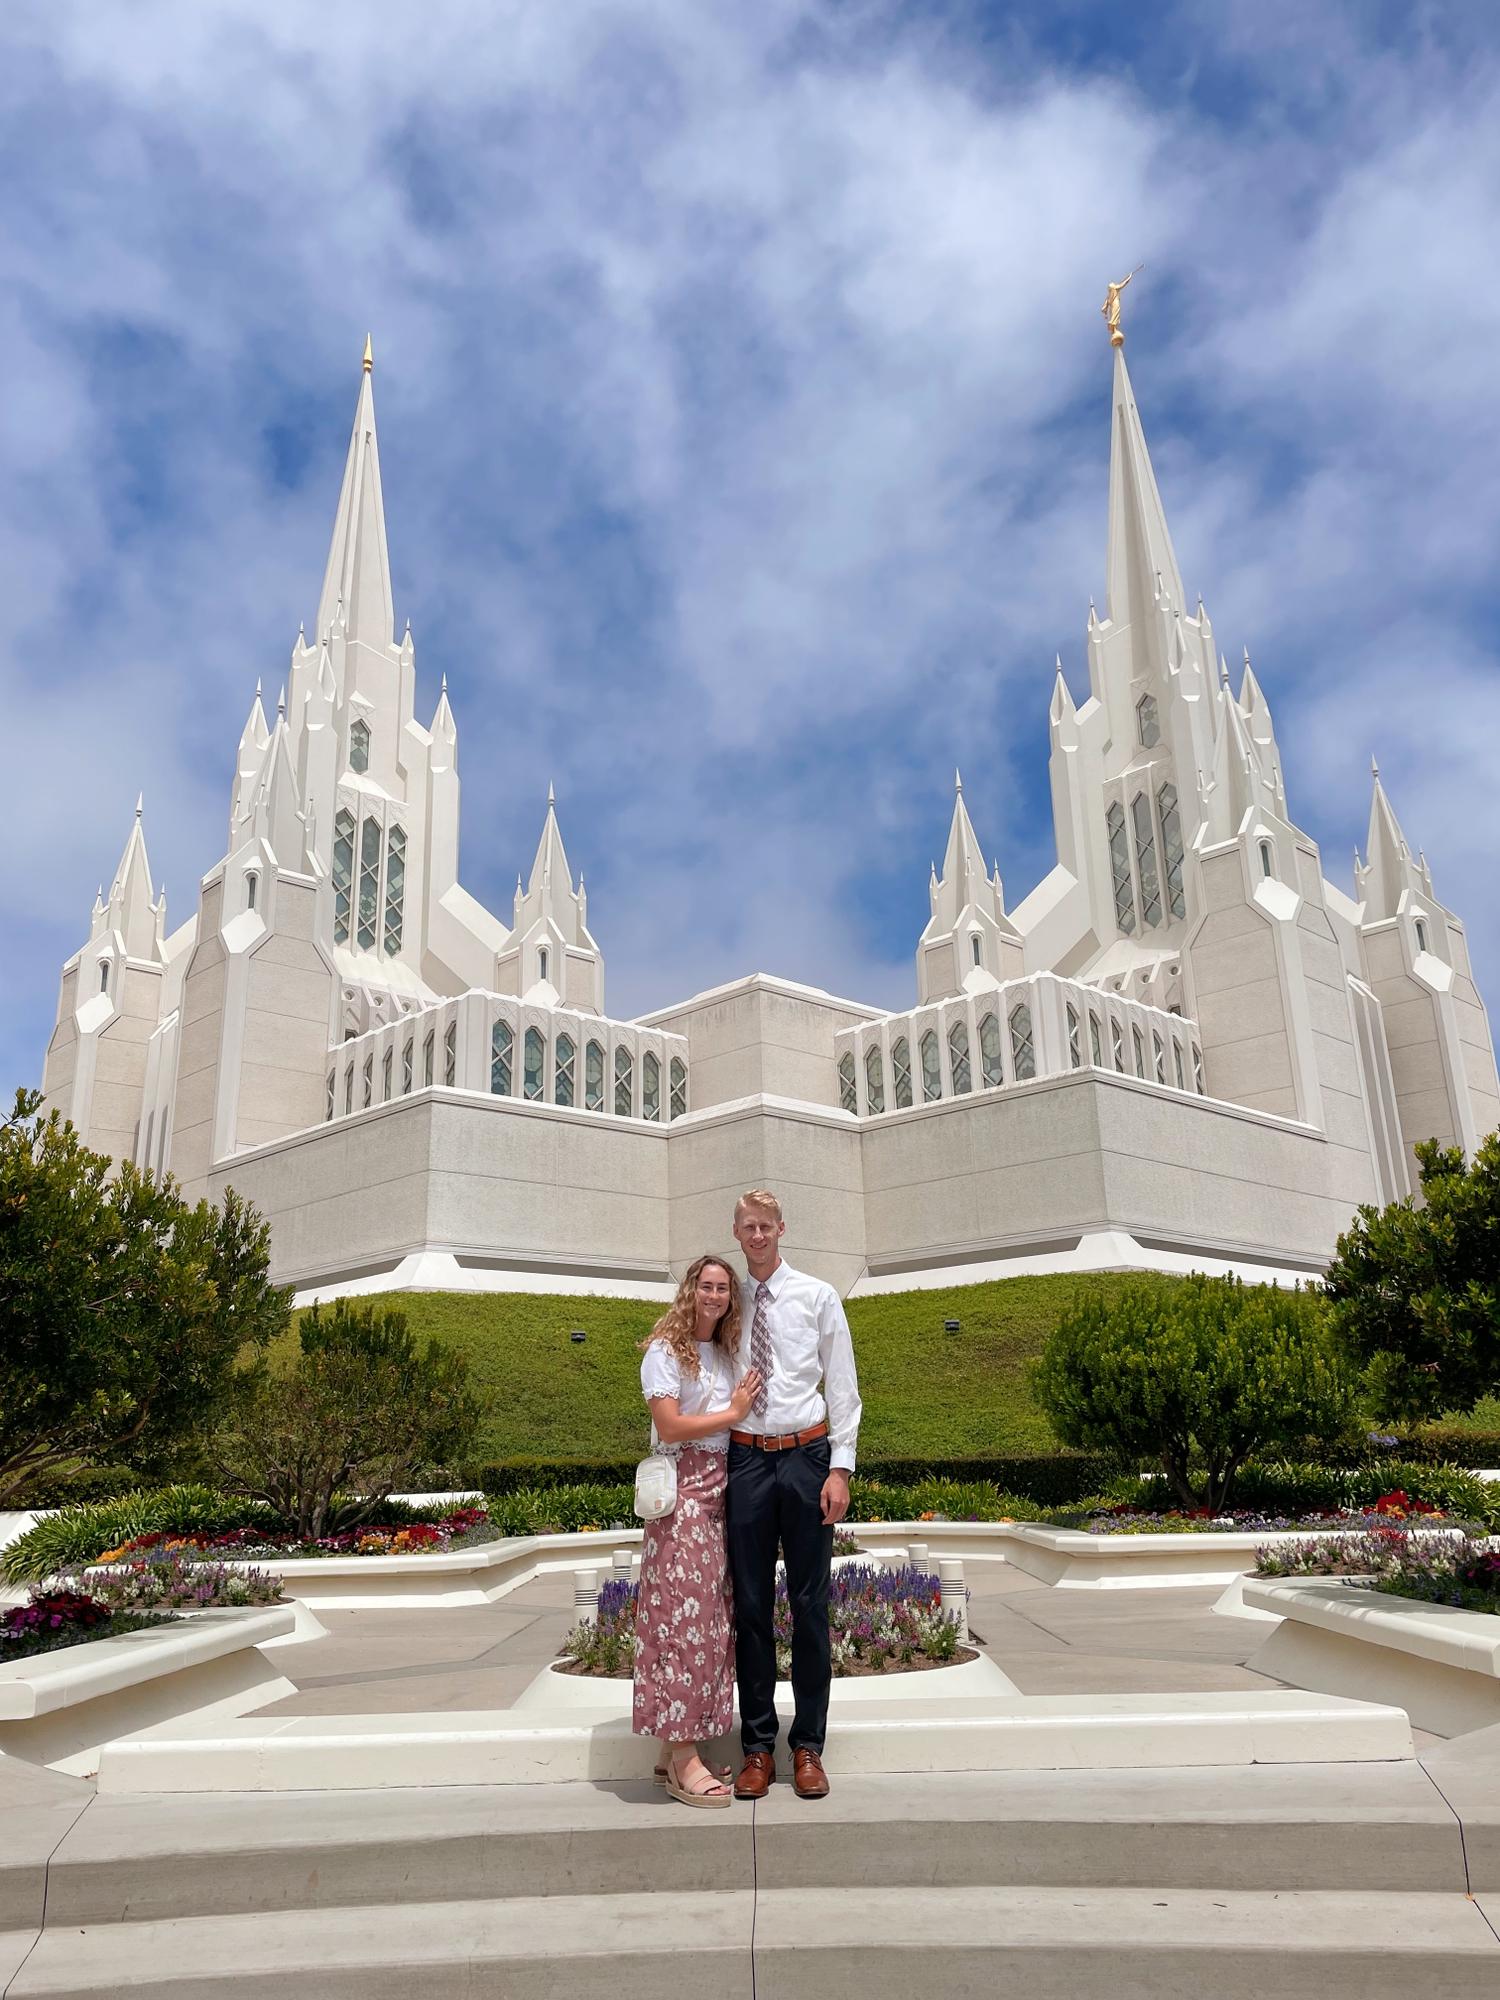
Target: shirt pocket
{"x": 797, "y": 1346}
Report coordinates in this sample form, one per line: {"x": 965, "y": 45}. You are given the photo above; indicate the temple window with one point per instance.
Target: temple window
{"x": 1421, "y": 934}
{"x": 1177, "y": 1063}
{"x": 502, "y": 1049}
{"x": 1148, "y": 723}
{"x": 624, "y": 1083}
{"x": 395, "y": 888}
{"x": 348, "y": 1090}
{"x": 534, "y": 1065}
{"x": 359, "y": 745}
{"x": 1145, "y": 858}
{"x": 369, "y": 882}
{"x": 651, "y": 1087}
{"x": 332, "y": 1095}
{"x": 1117, "y": 1044}
{"x": 678, "y": 1075}
{"x": 541, "y": 963}
{"x": 343, "y": 872}
{"x": 368, "y": 1083}
{"x": 406, "y": 1069}
{"x": 252, "y": 883}
{"x": 1119, "y": 867}
{"x": 901, "y": 1072}
{"x": 1138, "y": 1042}
{"x": 874, "y": 1079}
{"x": 1159, "y": 1056}
{"x": 1075, "y": 1052}
{"x": 104, "y": 975}
{"x": 990, "y": 1068}
{"x": 427, "y": 1049}
{"x": 958, "y": 1058}
{"x": 1022, "y": 1051}
{"x": 932, "y": 1069}
{"x": 977, "y": 946}
{"x": 1267, "y": 859}
{"x": 1198, "y": 1069}
{"x": 450, "y": 1054}
{"x": 386, "y": 1065}
{"x": 563, "y": 1058}
{"x": 1096, "y": 1047}
{"x": 848, "y": 1095}
{"x": 593, "y": 1077}
{"x": 1171, "y": 847}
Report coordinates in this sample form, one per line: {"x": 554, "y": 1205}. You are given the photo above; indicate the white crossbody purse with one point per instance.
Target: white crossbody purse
{"x": 656, "y": 1476}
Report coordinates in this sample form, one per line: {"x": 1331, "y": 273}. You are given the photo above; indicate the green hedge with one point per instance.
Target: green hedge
{"x": 1054, "y": 1479}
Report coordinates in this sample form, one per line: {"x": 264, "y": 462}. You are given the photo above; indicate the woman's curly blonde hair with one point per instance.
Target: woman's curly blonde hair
{"x": 677, "y": 1329}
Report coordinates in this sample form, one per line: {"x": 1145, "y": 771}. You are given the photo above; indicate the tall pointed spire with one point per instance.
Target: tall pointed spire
{"x": 549, "y": 870}
{"x": 131, "y": 905}
{"x": 963, "y": 863}
{"x": 1142, "y": 564}
{"x": 1389, "y": 870}
{"x": 357, "y": 580}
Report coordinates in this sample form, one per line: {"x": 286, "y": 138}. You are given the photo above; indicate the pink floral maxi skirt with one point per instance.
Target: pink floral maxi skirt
{"x": 684, "y": 1619}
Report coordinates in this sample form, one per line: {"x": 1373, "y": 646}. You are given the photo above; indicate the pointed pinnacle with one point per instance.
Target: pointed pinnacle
{"x": 1223, "y": 670}
{"x": 140, "y": 800}
{"x": 369, "y": 361}
{"x": 958, "y": 782}
{"x": 1374, "y": 768}
{"x": 445, "y": 680}
{"x": 551, "y": 795}
{"x": 281, "y": 700}
{"x": 257, "y": 687}
{"x": 1059, "y": 666}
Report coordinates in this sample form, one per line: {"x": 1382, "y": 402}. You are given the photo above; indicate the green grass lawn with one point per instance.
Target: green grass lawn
{"x": 927, "y": 1393}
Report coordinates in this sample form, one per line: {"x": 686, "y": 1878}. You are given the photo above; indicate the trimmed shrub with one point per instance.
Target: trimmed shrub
{"x": 1052, "y": 1479}
{"x": 70, "y": 1540}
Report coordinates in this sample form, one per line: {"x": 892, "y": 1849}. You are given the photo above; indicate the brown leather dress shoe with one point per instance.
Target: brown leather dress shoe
{"x": 757, "y": 1776}
{"x": 809, "y": 1779}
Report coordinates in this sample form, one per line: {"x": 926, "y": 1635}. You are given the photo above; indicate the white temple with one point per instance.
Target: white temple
{"x": 1183, "y": 1049}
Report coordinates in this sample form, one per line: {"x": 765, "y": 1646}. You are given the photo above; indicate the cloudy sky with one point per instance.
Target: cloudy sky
{"x": 743, "y": 407}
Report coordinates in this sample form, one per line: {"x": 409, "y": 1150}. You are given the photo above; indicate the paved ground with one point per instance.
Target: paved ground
{"x": 1049, "y": 1642}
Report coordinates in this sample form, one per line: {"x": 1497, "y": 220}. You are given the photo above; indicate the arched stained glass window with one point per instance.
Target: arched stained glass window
{"x": 976, "y": 944}
{"x": 593, "y": 1077}
{"x": 1117, "y": 1044}
{"x": 1198, "y": 1070}
{"x": 369, "y": 882}
{"x": 104, "y": 975}
{"x": 1421, "y": 934}
{"x": 1171, "y": 847}
{"x": 333, "y": 1084}
{"x": 252, "y": 883}
{"x": 1267, "y": 858}
{"x": 991, "y": 1069}
{"x": 1145, "y": 858}
{"x": 1159, "y": 1056}
{"x": 542, "y": 963}
{"x": 1148, "y": 722}
{"x": 874, "y": 1079}
{"x": 624, "y": 1082}
{"x": 1139, "y": 1045}
{"x": 1075, "y": 1051}
{"x": 958, "y": 1058}
{"x": 651, "y": 1087}
{"x": 406, "y": 1062}
{"x": 387, "y": 1064}
{"x": 359, "y": 744}
{"x": 1096, "y": 1047}
{"x": 1022, "y": 1048}
{"x": 368, "y": 1083}
{"x": 534, "y": 1065}
{"x": 564, "y": 1057}
{"x": 502, "y": 1056}
{"x": 427, "y": 1048}
{"x": 395, "y": 888}
{"x": 932, "y": 1069}
{"x": 1177, "y": 1063}
{"x": 343, "y": 872}
{"x": 678, "y": 1074}
{"x": 348, "y": 1090}
{"x": 848, "y": 1095}
{"x": 1119, "y": 867}
{"x": 450, "y": 1053}
{"x": 901, "y": 1072}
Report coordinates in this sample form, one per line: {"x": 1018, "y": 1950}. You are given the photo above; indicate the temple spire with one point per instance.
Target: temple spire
{"x": 1389, "y": 870}
{"x": 1142, "y": 564}
{"x": 357, "y": 579}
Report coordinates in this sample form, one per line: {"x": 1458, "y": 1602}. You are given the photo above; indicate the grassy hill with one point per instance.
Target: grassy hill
{"x": 927, "y": 1393}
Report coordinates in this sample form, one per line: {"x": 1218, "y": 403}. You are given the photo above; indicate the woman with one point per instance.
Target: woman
{"x": 684, "y": 1621}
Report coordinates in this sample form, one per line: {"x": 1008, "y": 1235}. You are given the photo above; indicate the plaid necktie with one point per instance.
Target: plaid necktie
{"x": 760, "y": 1346}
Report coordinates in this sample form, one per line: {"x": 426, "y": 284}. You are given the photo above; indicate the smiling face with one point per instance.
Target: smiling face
{"x": 712, "y": 1294}
{"x": 758, "y": 1233}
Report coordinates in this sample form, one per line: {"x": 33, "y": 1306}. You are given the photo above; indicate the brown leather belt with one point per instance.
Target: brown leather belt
{"x": 788, "y": 1441}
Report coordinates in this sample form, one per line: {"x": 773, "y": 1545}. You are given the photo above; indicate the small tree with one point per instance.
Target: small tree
{"x": 1415, "y": 1287}
{"x": 359, "y": 1411}
{"x": 1207, "y": 1371}
{"x": 122, "y": 1307}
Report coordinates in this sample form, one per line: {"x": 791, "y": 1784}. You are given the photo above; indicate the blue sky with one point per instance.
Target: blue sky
{"x": 743, "y": 406}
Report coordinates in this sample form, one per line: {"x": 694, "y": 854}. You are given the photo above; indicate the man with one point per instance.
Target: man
{"x": 789, "y": 1484}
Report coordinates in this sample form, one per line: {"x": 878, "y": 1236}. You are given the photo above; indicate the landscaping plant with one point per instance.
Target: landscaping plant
{"x": 52, "y": 1619}
{"x": 122, "y": 1307}
{"x": 173, "y": 1579}
{"x": 1463, "y": 1571}
{"x": 1195, "y": 1377}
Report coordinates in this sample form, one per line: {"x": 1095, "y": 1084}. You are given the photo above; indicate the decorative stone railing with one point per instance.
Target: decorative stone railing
{"x": 1028, "y": 1028}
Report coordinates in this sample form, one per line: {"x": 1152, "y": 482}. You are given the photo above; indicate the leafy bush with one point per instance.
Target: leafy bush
{"x": 77, "y": 1536}
{"x": 1051, "y": 1479}
{"x": 563, "y": 1509}
{"x": 361, "y": 1407}
{"x": 1276, "y": 1487}
{"x": 1203, "y": 1373}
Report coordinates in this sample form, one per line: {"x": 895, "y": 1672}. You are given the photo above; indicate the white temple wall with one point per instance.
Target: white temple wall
{"x": 761, "y": 1035}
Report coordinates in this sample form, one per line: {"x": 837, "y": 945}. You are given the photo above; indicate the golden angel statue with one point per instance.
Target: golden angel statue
{"x": 1111, "y": 308}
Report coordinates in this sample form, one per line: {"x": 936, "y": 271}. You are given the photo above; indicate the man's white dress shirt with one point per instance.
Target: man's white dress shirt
{"x": 810, "y": 1344}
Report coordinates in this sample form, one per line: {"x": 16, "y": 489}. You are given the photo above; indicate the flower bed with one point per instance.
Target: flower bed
{"x": 880, "y": 1620}
{"x": 52, "y": 1619}
{"x": 168, "y": 1579}
{"x": 1464, "y": 1572}
{"x": 1391, "y": 1507}
{"x": 464, "y": 1528}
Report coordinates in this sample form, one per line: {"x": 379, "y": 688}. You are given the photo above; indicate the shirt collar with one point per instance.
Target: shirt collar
{"x": 776, "y": 1280}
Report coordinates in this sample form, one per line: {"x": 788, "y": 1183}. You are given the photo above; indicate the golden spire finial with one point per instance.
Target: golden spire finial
{"x": 1111, "y": 308}
{"x": 370, "y": 351}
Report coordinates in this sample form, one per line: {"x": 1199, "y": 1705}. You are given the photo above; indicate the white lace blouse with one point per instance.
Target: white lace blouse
{"x": 710, "y": 1389}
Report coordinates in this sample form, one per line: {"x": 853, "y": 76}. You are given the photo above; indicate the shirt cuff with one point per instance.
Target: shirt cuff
{"x": 841, "y": 1458}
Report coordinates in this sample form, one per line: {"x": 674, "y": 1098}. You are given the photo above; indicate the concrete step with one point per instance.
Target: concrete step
{"x": 1337, "y": 1827}
{"x": 846, "y": 1944}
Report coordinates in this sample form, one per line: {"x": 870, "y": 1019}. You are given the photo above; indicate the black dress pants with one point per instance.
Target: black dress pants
{"x": 776, "y": 1497}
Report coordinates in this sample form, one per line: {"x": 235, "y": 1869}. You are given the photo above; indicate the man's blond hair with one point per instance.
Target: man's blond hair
{"x": 759, "y": 1198}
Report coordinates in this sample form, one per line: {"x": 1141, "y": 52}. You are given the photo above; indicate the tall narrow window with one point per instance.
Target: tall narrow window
{"x": 848, "y": 1095}
{"x": 1177, "y": 1063}
{"x": 1171, "y": 847}
{"x": 958, "y": 1058}
{"x": 427, "y": 1048}
{"x": 541, "y": 963}
{"x": 624, "y": 1083}
{"x": 1096, "y": 1050}
{"x": 1159, "y": 1056}
{"x": 1075, "y": 1051}
{"x": 369, "y": 1083}
{"x": 104, "y": 975}
{"x": 990, "y": 1067}
{"x": 534, "y": 1065}
{"x": 650, "y": 1087}
{"x": 901, "y": 1072}
{"x": 564, "y": 1057}
{"x": 874, "y": 1079}
{"x": 395, "y": 888}
{"x": 1119, "y": 867}
{"x": 1022, "y": 1048}
{"x": 1139, "y": 1046}
{"x": 1267, "y": 859}
{"x": 1145, "y": 858}
{"x": 332, "y": 1094}
{"x": 369, "y": 882}
{"x": 1421, "y": 934}
{"x": 1117, "y": 1044}
{"x": 387, "y": 1062}
{"x": 348, "y": 1090}
{"x": 359, "y": 744}
{"x": 678, "y": 1074}
{"x": 977, "y": 947}
{"x": 593, "y": 1077}
{"x": 406, "y": 1069}
{"x": 932, "y": 1069}
{"x": 343, "y": 872}
{"x": 450, "y": 1054}
{"x": 502, "y": 1050}
{"x": 1198, "y": 1069}
{"x": 1148, "y": 722}
{"x": 252, "y": 883}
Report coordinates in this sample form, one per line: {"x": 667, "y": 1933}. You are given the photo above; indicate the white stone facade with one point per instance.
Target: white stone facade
{"x": 1184, "y": 1048}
